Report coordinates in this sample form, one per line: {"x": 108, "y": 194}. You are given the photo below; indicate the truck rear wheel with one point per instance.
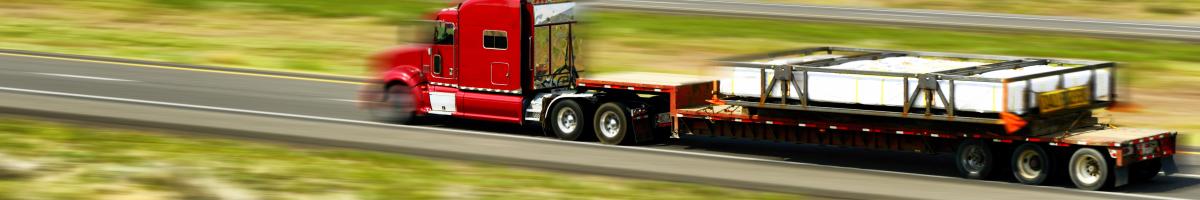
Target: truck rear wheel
{"x": 974, "y": 159}
{"x": 1088, "y": 169}
{"x": 400, "y": 107}
{"x": 611, "y": 123}
{"x": 567, "y": 120}
{"x": 1030, "y": 164}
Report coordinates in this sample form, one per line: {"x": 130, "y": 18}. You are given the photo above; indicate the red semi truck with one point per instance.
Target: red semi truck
{"x": 514, "y": 61}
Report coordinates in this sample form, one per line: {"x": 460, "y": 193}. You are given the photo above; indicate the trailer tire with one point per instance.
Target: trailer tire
{"x": 974, "y": 159}
{"x": 567, "y": 120}
{"x": 1089, "y": 170}
{"x": 1031, "y": 164}
{"x": 401, "y": 107}
{"x": 611, "y": 123}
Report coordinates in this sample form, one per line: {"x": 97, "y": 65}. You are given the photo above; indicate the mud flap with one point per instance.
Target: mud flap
{"x": 1121, "y": 175}
{"x": 1168, "y": 165}
{"x": 642, "y": 128}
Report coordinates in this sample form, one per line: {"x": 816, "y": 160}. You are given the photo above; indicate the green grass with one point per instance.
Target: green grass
{"x": 317, "y": 36}
{"x": 395, "y": 11}
{"x": 1174, "y": 10}
{"x": 89, "y": 163}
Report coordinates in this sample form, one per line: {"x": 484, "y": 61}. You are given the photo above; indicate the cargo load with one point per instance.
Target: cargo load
{"x": 973, "y": 83}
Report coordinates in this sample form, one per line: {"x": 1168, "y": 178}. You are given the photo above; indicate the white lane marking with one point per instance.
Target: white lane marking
{"x": 347, "y": 100}
{"x": 1181, "y": 175}
{"x": 85, "y": 77}
{"x": 1164, "y": 29}
{"x": 893, "y": 15}
{"x": 317, "y": 118}
{"x": 946, "y": 13}
{"x": 900, "y": 20}
{"x": 657, "y": 2}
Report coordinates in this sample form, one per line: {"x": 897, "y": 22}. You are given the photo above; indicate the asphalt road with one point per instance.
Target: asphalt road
{"x": 920, "y": 18}
{"x": 322, "y": 110}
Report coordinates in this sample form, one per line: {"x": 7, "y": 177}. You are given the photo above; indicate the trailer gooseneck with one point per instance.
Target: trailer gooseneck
{"x": 513, "y": 61}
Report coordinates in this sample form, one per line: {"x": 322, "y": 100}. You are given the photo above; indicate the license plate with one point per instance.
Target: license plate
{"x": 1147, "y": 148}
{"x": 664, "y": 119}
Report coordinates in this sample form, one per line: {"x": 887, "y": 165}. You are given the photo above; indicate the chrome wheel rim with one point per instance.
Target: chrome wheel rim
{"x": 1029, "y": 164}
{"x": 1087, "y": 169}
{"x": 610, "y": 124}
{"x": 567, "y": 120}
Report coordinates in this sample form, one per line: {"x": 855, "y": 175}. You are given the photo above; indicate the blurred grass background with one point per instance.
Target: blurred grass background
{"x": 335, "y": 37}
{"x": 41, "y": 160}
{"x": 1186, "y": 11}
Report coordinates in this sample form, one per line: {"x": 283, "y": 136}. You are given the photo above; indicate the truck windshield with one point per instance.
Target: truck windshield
{"x": 554, "y": 57}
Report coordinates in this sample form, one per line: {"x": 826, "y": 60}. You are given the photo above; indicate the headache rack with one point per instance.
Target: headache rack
{"x": 1020, "y": 98}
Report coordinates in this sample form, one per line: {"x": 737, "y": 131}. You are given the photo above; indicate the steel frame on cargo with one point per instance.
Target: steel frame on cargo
{"x": 927, "y": 82}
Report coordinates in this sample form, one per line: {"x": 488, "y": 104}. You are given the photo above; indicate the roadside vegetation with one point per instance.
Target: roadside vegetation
{"x": 40, "y": 160}
{"x": 336, "y": 37}
{"x": 1186, "y": 11}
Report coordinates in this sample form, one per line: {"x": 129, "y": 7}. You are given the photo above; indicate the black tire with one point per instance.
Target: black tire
{"x": 1031, "y": 164}
{"x": 611, "y": 123}
{"x": 1089, "y": 170}
{"x": 974, "y": 159}
{"x": 401, "y": 107}
{"x": 568, "y": 121}
{"x": 1145, "y": 170}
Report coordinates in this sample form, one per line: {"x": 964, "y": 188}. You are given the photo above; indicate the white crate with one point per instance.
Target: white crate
{"x": 985, "y": 97}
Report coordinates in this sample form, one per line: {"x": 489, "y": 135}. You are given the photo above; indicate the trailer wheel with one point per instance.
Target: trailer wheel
{"x": 611, "y": 123}
{"x": 1031, "y": 164}
{"x": 974, "y": 159}
{"x": 1088, "y": 169}
{"x": 567, "y": 120}
{"x": 401, "y": 107}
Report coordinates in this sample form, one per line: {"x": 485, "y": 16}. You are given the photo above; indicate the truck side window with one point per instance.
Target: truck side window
{"x": 493, "y": 39}
{"x": 444, "y": 33}
{"x": 437, "y": 64}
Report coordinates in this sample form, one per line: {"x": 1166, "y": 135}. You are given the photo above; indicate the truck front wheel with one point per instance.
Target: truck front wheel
{"x": 611, "y": 123}
{"x": 567, "y": 120}
{"x": 1089, "y": 170}
{"x": 400, "y": 106}
{"x": 974, "y": 159}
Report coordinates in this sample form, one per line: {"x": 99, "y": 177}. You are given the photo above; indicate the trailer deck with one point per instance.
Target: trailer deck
{"x": 1101, "y": 136}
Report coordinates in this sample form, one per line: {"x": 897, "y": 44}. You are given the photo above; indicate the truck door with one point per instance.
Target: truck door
{"x": 491, "y": 51}
{"x": 442, "y": 71}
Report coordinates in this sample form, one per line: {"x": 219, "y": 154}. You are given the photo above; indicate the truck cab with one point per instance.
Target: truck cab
{"x": 485, "y": 61}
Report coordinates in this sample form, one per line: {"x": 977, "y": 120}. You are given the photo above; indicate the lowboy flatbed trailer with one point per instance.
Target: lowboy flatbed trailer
{"x": 514, "y": 61}
{"x": 1094, "y": 155}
